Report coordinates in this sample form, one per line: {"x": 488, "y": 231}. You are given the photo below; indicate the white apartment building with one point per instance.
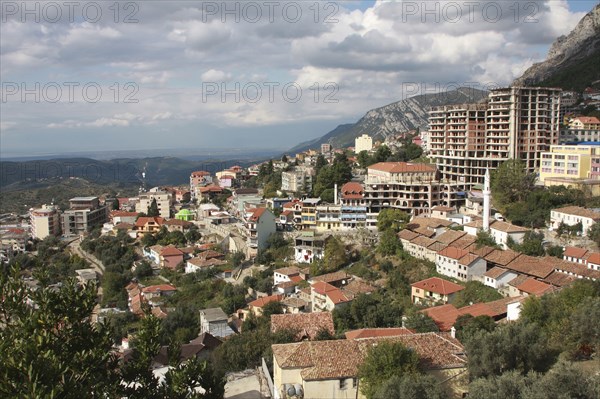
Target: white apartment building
{"x": 44, "y": 221}
{"x": 363, "y": 143}
{"x": 163, "y": 201}
{"x": 460, "y": 264}
{"x": 298, "y": 180}
{"x": 571, "y": 215}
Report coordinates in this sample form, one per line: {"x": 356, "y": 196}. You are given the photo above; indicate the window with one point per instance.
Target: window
{"x": 354, "y": 382}
{"x": 343, "y": 384}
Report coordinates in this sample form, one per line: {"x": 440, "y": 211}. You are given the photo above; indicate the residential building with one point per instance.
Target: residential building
{"x": 363, "y": 143}
{"x": 500, "y": 231}
{"x": 311, "y": 368}
{"x": 354, "y": 211}
{"x": 44, "y": 222}
{"x": 307, "y": 325}
{"x": 516, "y": 122}
{"x": 411, "y": 187}
{"x": 325, "y": 148}
{"x": 585, "y": 122}
{"x": 572, "y": 215}
{"x": 242, "y": 198}
{"x": 123, "y": 217}
{"x": 259, "y": 225}
{"x": 328, "y": 218}
{"x": 257, "y": 305}
{"x": 287, "y": 274}
{"x": 178, "y": 225}
{"x": 12, "y": 241}
{"x": 568, "y": 161}
{"x": 460, "y": 264}
{"x": 324, "y": 297}
{"x": 148, "y": 225}
{"x": 84, "y": 214}
{"x": 497, "y": 277}
{"x": 576, "y": 255}
{"x": 434, "y": 290}
{"x": 309, "y": 212}
{"x": 163, "y": 199}
{"x": 298, "y": 180}
{"x": 308, "y": 247}
{"x": 199, "y": 178}
{"x": 214, "y": 321}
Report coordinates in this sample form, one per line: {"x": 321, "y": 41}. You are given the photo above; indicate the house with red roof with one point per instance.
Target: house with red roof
{"x": 460, "y": 264}
{"x": 434, "y": 290}
{"x": 326, "y": 298}
{"x": 148, "y": 225}
{"x": 170, "y": 257}
{"x": 256, "y": 306}
{"x": 576, "y": 255}
{"x": 117, "y": 217}
{"x": 593, "y": 262}
{"x": 157, "y": 291}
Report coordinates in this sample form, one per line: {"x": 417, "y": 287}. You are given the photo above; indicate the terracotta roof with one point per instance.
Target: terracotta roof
{"x": 428, "y": 222}
{"x": 495, "y": 272}
{"x": 307, "y": 324}
{"x": 206, "y": 262}
{"x": 336, "y": 359}
{"x": 422, "y": 241}
{"x": 210, "y": 254}
{"x": 502, "y": 258}
{"x": 159, "y": 312}
{"x": 333, "y": 293}
{"x": 449, "y": 236}
{"x": 211, "y": 188}
{"x": 424, "y": 231}
{"x": 257, "y": 214}
{"x": 594, "y": 258}
{"x": 465, "y": 242}
{"x": 575, "y": 252}
{"x": 587, "y": 119}
{"x": 356, "y": 287}
{"x": 438, "y": 285}
{"x": 288, "y": 271}
{"x": 352, "y": 190}
{"x": 444, "y": 316}
{"x": 533, "y": 266}
{"x": 437, "y": 246}
{"x": 534, "y": 287}
{"x": 402, "y": 167}
{"x": 453, "y": 253}
{"x": 332, "y": 277}
{"x": 294, "y": 302}
{"x": 515, "y": 282}
{"x": 200, "y": 173}
{"x": 508, "y": 227}
{"x": 579, "y": 211}
{"x": 123, "y": 214}
{"x": 482, "y": 251}
{"x": 377, "y": 332}
{"x": 559, "y": 279}
{"x": 123, "y": 226}
{"x": 575, "y": 268}
{"x": 170, "y": 251}
{"x": 260, "y": 302}
{"x": 159, "y": 288}
{"x": 468, "y": 259}
{"x": 407, "y": 235}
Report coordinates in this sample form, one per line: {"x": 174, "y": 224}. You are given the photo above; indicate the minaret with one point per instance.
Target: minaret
{"x": 486, "y": 201}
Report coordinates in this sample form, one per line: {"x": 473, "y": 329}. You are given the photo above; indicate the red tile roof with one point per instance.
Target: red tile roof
{"x": 533, "y": 266}
{"x": 352, "y": 190}
{"x": 575, "y": 252}
{"x": 377, "y": 332}
{"x": 142, "y": 221}
{"x": 171, "y": 251}
{"x": 534, "y": 287}
{"x": 579, "y": 211}
{"x": 260, "y": 302}
{"x": 438, "y": 285}
{"x": 594, "y": 258}
{"x": 333, "y": 293}
{"x": 159, "y": 288}
{"x": 453, "y": 253}
{"x": 257, "y": 214}
{"x": 307, "y": 324}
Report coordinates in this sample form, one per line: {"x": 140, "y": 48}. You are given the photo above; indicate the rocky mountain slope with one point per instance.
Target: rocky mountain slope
{"x": 573, "y": 61}
{"x": 398, "y": 117}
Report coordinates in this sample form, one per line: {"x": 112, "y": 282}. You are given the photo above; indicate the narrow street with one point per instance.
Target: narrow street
{"x": 75, "y": 248}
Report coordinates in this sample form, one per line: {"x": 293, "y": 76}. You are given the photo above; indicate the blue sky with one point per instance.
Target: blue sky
{"x": 197, "y": 75}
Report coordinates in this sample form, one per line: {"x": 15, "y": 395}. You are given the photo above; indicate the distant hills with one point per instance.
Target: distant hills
{"x": 395, "y": 118}
{"x": 573, "y": 61}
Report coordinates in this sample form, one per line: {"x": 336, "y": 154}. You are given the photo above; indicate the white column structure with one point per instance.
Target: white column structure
{"x": 486, "y": 201}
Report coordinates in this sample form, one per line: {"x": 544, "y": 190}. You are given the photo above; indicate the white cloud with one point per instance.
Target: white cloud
{"x": 215, "y": 75}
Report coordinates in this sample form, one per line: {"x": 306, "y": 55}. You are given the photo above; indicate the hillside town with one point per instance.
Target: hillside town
{"x": 284, "y": 273}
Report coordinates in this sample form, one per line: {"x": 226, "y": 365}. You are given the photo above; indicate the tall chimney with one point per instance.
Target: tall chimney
{"x": 335, "y": 194}
{"x": 486, "y": 201}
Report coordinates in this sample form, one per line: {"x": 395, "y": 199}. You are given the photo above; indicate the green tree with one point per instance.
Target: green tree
{"x": 335, "y": 254}
{"x": 153, "y": 209}
{"x": 594, "y": 233}
{"x": 532, "y": 245}
{"x": 485, "y": 238}
{"x": 390, "y": 218}
{"x": 467, "y": 326}
{"x": 382, "y": 153}
{"x": 143, "y": 269}
{"x": 413, "y": 386}
{"x": 389, "y": 243}
{"x": 364, "y": 159}
{"x": 509, "y": 385}
{"x": 384, "y": 361}
{"x": 475, "y": 292}
{"x": 511, "y": 182}
{"x": 420, "y": 322}
{"x": 52, "y": 349}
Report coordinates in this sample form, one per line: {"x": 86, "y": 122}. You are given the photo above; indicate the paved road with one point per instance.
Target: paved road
{"x": 95, "y": 263}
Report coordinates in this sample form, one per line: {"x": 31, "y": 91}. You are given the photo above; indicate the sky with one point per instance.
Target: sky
{"x": 135, "y": 75}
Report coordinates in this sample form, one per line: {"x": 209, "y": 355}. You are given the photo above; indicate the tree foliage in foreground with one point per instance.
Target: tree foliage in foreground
{"x": 50, "y": 349}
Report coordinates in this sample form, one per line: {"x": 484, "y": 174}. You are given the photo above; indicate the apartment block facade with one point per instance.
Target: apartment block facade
{"x": 163, "y": 199}
{"x": 568, "y": 161}
{"x": 44, "y": 222}
{"x": 516, "y": 122}
{"x": 83, "y": 215}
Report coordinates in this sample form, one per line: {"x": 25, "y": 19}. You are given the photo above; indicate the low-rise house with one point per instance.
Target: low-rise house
{"x": 309, "y": 247}
{"x": 157, "y": 291}
{"x": 214, "y": 321}
{"x": 295, "y": 305}
{"x": 196, "y": 264}
{"x": 178, "y": 225}
{"x": 199, "y": 348}
{"x": 377, "y": 332}
{"x": 170, "y": 257}
{"x": 84, "y": 276}
{"x": 572, "y": 215}
{"x": 259, "y": 225}
{"x": 442, "y": 212}
{"x": 256, "y": 306}
{"x": 502, "y": 231}
{"x": 460, "y": 264}
{"x": 535, "y": 287}
{"x": 306, "y": 325}
{"x": 337, "y": 279}
{"x": 123, "y": 217}
{"x": 497, "y": 277}
{"x": 434, "y": 290}
{"x": 324, "y": 297}
{"x": 285, "y": 274}
{"x": 576, "y": 255}
{"x": 593, "y": 262}
{"x": 148, "y": 225}
{"x": 310, "y": 368}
